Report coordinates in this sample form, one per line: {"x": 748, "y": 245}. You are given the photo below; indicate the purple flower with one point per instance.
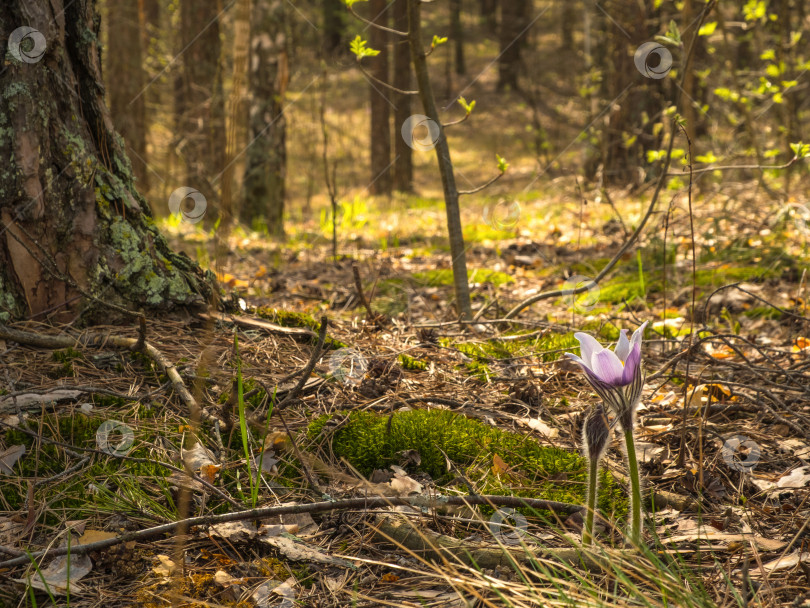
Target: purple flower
{"x": 614, "y": 374}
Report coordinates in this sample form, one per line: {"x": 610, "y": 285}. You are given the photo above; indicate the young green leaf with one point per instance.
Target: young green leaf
{"x": 801, "y": 150}
{"x": 358, "y": 47}
{"x": 437, "y": 40}
{"x": 351, "y": 3}
{"x": 468, "y": 107}
{"x": 502, "y": 164}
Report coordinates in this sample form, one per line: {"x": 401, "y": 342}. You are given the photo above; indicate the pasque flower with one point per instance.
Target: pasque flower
{"x": 615, "y": 375}
{"x": 617, "y": 378}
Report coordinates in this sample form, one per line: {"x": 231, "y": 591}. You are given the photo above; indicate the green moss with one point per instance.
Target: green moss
{"x": 369, "y": 441}
{"x": 65, "y": 357}
{"x": 548, "y": 347}
{"x": 412, "y": 364}
{"x": 290, "y": 318}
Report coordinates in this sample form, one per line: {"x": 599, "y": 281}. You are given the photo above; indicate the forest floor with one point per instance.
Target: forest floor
{"x": 403, "y": 402}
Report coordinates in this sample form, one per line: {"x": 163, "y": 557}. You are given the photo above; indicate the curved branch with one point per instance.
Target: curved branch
{"x": 456, "y": 122}
{"x": 382, "y": 83}
{"x": 377, "y": 25}
{"x": 482, "y": 186}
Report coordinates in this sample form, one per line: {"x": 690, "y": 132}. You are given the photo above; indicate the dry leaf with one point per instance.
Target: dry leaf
{"x": 62, "y": 574}
{"x": 92, "y": 536}
{"x": 201, "y": 461}
{"x": 785, "y": 562}
{"x": 234, "y": 531}
{"x": 166, "y": 566}
{"x": 499, "y": 465}
{"x": 542, "y": 428}
{"x": 797, "y": 478}
{"x": 404, "y": 485}
{"x": 9, "y": 457}
{"x": 226, "y": 580}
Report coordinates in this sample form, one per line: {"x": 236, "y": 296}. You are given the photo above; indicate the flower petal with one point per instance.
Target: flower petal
{"x": 623, "y": 346}
{"x": 632, "y": 366}
{"x": 638, "y": 334}
{"x": 607, "y": 367}
{"x": 588, "y": 346}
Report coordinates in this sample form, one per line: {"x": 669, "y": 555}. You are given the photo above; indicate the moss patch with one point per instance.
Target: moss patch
{"x": 368, "y": 441}
{"x": 290, "y": 318}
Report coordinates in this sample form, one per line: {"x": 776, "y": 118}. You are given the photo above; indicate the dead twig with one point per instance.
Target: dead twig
{"x": 430, "y": 502}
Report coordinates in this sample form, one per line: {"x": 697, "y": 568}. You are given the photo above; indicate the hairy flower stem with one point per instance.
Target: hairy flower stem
{"x": 635, "y": 488}
{"x": 590, "y": 501}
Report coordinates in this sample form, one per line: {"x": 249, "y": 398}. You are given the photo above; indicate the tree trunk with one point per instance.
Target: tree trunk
{"x": 489, "y": 15}
{"x": 568, "y": 17}
{"x": 238, "y": 111}
{"x": 514, "y": 22}
{"x": 457, "y": 33}
{"x": 127, "y": 99}
{"x": 203, "y": 120}
{"x": 381, "y": 178}
{"x": 454, "y": 231}
{"x": 266, "y": 165}
{"x": 403, "y": 153}
{"x": 75, "y": 234}
{"x": 624, "y": 139}
{"x": 334, "y": 25}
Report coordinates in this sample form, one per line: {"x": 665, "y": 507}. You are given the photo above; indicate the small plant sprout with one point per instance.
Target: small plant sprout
{"x": 617, "y": 378}
{"x": 595, "y": 441}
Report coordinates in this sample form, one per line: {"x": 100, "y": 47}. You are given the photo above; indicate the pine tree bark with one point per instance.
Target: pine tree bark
{"x": 203, "y": 105}
{"x": 403, "y": 153}
{"x": 334, "y": 25}
{"x": 625, "y": 139}
{"x": 457, "y": 32}
{"x": 381, "y": 174}
{"x": 127, "y": 99}
{"x": 512, "y": 35}
{"x": 75, "y": 231}
{"x": 489, "y": 15}
{"x": 266, "y": 164}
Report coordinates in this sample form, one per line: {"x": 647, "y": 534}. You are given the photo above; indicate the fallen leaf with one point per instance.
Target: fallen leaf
{"x": 797, "y": 478}
{"x": 234, "y": 531}
{"x": 61, "y": 575}
{"x": 404, "y": 485}
{"x": 785, "y": 562}
{"x": 268, "y": 530}
{"x": 91, "y": 536}
{"x": 9, "y": 457}
{"x": 166, "y": 566}
{"x": 542, "y": 428}
{"x": 499, "y": 465}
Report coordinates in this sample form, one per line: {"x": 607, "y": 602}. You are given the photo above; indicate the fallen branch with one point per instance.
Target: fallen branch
{"x": 430, "y": 502}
